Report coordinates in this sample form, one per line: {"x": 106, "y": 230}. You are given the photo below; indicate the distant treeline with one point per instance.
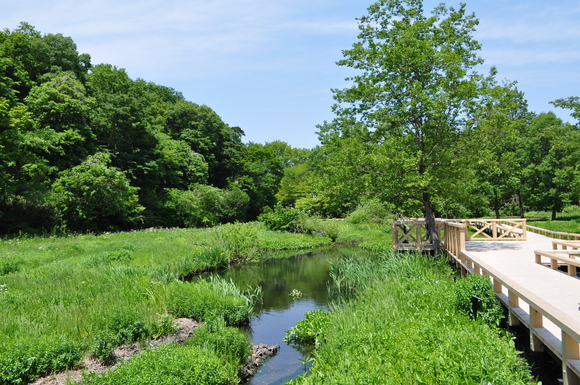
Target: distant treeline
{"x": 84, "y": 147}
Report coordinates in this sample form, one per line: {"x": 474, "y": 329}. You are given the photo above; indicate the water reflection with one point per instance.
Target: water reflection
{"x": 279, "y": 311}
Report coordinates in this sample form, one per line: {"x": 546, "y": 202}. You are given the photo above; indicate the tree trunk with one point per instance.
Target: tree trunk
{"x": 554, "y": 211}
{"x": 430, "y": 222}
{"x": 496, "y": 204}
{"x": 521, "y": 203}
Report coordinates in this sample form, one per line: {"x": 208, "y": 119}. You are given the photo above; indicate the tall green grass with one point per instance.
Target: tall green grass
{"x": 213, "y": 355}
{"x": 566, "y": 226}
{"x": 63, "y": 298}
{"x": 404, "y": 325}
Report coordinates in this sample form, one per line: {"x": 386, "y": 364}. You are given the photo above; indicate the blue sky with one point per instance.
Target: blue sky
{"x": 268, "y": 65}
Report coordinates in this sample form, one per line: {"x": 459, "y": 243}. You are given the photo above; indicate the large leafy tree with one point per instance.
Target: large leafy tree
{"x": 550, "y": 153}
{"x": 96, "y": 196}
{"x": 500, "y": 136}
{"x": 415, "y": 93}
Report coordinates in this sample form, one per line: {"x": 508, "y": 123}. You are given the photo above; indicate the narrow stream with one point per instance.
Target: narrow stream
{"x": 279, "y": 310}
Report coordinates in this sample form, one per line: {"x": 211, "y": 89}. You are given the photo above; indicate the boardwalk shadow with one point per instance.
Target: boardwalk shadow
{"x": 492, "y": 246}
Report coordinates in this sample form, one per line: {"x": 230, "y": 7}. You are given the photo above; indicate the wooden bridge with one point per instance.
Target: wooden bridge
{"x": 533, "y": 272}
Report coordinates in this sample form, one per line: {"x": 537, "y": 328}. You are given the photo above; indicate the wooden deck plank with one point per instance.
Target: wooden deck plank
{"x": 516, "y": 260}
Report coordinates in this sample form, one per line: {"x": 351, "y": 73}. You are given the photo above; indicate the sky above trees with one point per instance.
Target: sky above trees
{"x": 268, "y": 66}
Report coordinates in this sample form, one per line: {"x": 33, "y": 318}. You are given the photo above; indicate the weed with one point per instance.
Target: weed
{"x": 309, "y": 331}
{"x": 170, "y": 365}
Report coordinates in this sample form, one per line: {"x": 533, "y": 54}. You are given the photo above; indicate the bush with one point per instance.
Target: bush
{"x": 206, "y": 300}
{"x": 239, "y": 240}
{"x": 8, "y": 265}
{"x": 205, "y": 206}
{"x": 311, "y": 330}
{"x": 282, "y": 219}
{"x": 95, "y": 196}
{"x": 476, "y": 298}
{"x": 372, "y": 211}
{"x": 404, "y": 329}
{"x": 171, "y": 364}
{"x": 24, "y": 362}
{"x": 228, "y": 342}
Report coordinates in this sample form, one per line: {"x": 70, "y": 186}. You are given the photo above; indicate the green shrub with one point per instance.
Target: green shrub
{"x": 95, "y": 196}
{"x": 228, "y": 342}
{"x": 282, "y": 219}
{"x": 205, "y": 206}
{"x": 371, "y": 211}
{"x": 25, "y": 361}
{"x": 171, "y": 364}
{"x": 476, "y": 298}
{"x": 204, "y": 300}
{"x": 8, "y": 265}
{"x": 239, "y": 240}
{"x": 311, "y": 330}
{"x": 404, "y": 328}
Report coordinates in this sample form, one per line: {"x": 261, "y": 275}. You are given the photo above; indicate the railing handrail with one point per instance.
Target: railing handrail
{"x": 541, "y": 230}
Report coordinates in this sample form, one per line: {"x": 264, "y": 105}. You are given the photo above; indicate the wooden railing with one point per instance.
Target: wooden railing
{"x": 554, "y": 234}
{"x": 557, "y": 257}
{"x": 497, "y": 229}
{"x": 514, "y": 296}
{"x": 411, "y": 234}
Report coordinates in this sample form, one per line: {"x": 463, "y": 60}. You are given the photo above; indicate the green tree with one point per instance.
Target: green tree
{"x": 572, "y": 102}
{"x": 499, "y": 135}
{"x": 96, "y": 196}
{"x": 62, "y": 110}
{"x": 551, "y": 151}
{"x": 260, "y": 177}
{"x": 415, "y": 93}
{"x": 205, "y": 132}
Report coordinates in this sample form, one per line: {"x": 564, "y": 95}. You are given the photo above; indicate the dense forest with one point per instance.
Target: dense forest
{"x": 83, "y": 147}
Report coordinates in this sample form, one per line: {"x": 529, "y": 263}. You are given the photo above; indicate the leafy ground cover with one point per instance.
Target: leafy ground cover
{"x": 566, "y": 226}
{"x": 64, "y": 298}
{"x": 407, "y": 323}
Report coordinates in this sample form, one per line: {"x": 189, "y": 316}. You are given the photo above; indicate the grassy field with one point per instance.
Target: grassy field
{"x": 62, "y": 298}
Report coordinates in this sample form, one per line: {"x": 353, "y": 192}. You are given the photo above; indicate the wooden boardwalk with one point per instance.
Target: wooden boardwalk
{"x": 538, "y": 295}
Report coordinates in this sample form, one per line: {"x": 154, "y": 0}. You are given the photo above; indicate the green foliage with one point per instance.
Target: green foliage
{"x": 402, "y": 128}
{"x": 8, "y": 265}
{"x": 24, "y": 361}
{"x": 171, "y": 364}
{"x": 95, "y": 196}
{"x": 371, "y": 211}
{"x": 404, "y": 328}
{"x": 571, "y": 226}
{"x": 227, "y": 342}
{"x": 205, "y": 206}
{"x": 476, "y": 298}
{"x": 310, "y": 330}
{"x": 282, "y": 219}
{"x": 239, "y": 240}
{"x": 206, "y": 300}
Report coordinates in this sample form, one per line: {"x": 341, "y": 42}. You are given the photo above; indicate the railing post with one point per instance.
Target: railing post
{"x": 570, "y": 351}
{"x": 462, "y": 237}
{"x": 395, "y": 235}
{"x": 514, "y": 302}
{"x": 536, "y": 322}
{"x": 497, "y": 286}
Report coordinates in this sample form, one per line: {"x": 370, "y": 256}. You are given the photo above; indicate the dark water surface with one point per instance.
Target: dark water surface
{"x": 279, "y": 311}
